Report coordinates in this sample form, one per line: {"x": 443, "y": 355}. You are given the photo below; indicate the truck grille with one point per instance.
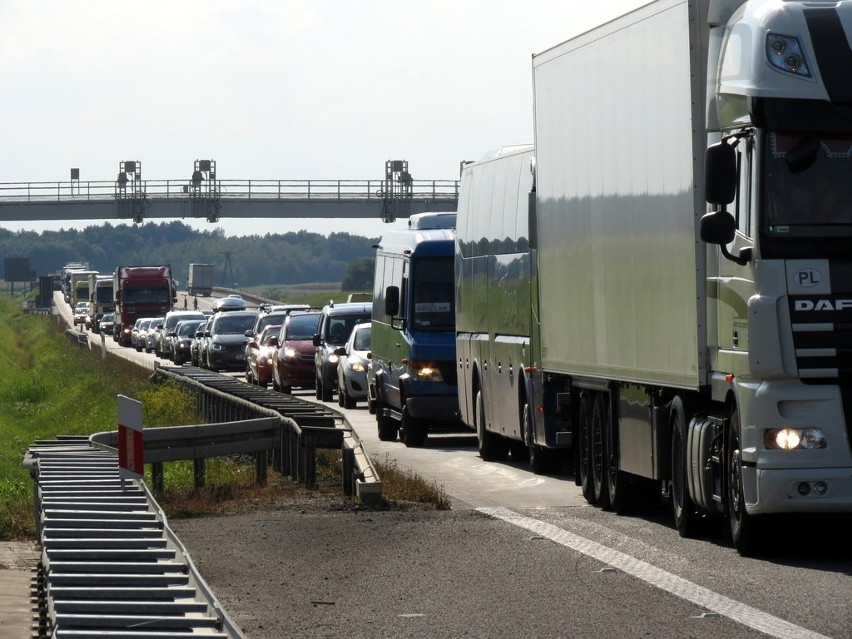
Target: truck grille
{"x": 822, "y": 335}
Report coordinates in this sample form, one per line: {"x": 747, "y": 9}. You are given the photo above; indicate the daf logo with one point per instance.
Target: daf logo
{"x": 808, "y": 277}
{"x": 823, "y": 305}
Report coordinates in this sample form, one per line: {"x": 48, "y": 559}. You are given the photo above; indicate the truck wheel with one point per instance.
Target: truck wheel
{"x": 685, "y": 513}
{"x": 491, "y": 447}
{"x": 617, "y": 484}
{"x": 745, "y": 528}
{"x": 584, "y": 445}
{"x": 599, "y": 465}
{"x": 388, "y": 427}
{"x": 412, "y": 431}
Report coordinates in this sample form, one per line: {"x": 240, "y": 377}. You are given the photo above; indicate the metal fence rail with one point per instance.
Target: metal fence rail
{"x": 111, "y": 566}
{"x": 78, "y": 192}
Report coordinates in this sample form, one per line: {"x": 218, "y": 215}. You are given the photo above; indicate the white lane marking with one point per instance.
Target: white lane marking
{"x": 739, "y": 612}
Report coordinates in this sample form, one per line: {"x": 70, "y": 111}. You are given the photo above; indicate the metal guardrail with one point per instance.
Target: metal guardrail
{"x": 111, "y": 566}
{"x": 305, "y": 426}
{"x": 301, "y": 190}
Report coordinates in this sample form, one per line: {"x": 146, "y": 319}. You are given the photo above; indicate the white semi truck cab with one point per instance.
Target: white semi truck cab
{"x": 783, "y": 359}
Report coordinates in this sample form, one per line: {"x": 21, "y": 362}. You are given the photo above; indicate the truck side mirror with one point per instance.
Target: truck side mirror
{"x": 392, "y": 301}
{"x": 718, "y": 227}
{"x": 720, "y": 174}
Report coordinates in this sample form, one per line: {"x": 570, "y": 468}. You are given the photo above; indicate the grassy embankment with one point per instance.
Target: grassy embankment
{"x": 51, "y": 387}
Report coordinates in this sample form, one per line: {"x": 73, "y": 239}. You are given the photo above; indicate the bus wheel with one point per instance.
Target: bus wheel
{"x": 745, "y": 528}
{"x": 618, "y": 485}
{"x": 542, "y": 460}
{"x": 491, "y": 447}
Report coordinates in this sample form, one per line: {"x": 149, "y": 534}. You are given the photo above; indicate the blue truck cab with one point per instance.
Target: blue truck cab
{"x": 412, "y": 377}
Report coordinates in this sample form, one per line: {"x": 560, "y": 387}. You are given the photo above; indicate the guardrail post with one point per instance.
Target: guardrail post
{"x": 157, "y": 476}
{"x": 348, "y": 471}
{"x": 309, "y": 460}
{"x": 198, "y": 472}
{"x": 261, "y": 465}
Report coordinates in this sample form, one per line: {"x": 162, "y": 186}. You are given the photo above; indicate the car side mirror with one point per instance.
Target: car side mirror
{"x": 340, "y": 351}
{"x": 317, "y": 340}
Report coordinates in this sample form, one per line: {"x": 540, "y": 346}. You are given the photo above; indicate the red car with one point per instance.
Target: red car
{"x": 293, "y": 359}
{"x": 259, "y": 356}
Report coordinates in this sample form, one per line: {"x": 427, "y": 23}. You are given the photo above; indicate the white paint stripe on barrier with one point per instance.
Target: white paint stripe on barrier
{"x": 678, "y": 586}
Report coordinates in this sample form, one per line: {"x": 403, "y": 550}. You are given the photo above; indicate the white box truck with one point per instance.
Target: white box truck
{"x": 707, "y": 349}
{"x": 199, "y": 281}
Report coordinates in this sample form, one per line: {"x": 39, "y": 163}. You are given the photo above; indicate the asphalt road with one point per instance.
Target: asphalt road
{"x": 520, "y": 555}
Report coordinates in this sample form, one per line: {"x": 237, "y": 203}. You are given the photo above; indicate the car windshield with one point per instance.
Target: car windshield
{"x": 302, "y": 327}
{"x": 187, "y": 329}
{"x": 362, "y": 340}
{"x": 340, "y": 327}
{"x": 230, "y": 324}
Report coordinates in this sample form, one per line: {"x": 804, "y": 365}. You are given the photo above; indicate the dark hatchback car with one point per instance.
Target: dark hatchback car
{"x": 293, "y": 359}
{"x": 182, "y": 338}
{"x": 226, "y": 340}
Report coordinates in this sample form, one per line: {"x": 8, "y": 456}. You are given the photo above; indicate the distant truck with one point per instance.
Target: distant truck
{"x": 677, "y": 345}
{"x": 199, "y": 281}
{"x": 78, "y": 286}
{"x": 141, "y": 291}
{"x": 101, "y": 296}
{"x": 412, "y": 378}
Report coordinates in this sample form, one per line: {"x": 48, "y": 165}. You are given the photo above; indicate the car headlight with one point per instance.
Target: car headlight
{"x": 332, "y": 358}
{"x": 216, "y": 347}
{"x": 358, "y": 367}
{"x": 794, "y": 438}
{"x": 425, "y": 371}
{"x": 290, "y": 352}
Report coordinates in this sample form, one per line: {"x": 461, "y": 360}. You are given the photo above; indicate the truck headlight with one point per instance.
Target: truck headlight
{"x": 425, "y": 371}
{"x": 794, "y": 438}
{"x": 785, "y": 53}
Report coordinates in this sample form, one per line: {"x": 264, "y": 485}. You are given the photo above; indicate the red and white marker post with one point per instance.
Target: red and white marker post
{"x": 131, "y": 446}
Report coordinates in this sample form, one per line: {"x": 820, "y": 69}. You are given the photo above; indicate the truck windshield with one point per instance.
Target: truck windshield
{"x": 807, "y": 185}
{"x": 433, "y": 294}
{"x": 145, "y": 295}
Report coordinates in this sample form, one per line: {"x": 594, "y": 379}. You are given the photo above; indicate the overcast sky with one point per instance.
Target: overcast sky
{"x": 284, "y": 89}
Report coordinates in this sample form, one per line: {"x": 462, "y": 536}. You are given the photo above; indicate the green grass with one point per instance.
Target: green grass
{"x": 316, "y": 295}
{"x": 49, "y": 387}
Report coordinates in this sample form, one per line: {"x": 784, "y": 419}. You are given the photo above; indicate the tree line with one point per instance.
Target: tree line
{"x": 254, "y": 260}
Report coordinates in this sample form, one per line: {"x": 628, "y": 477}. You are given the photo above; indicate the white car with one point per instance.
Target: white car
{"x": 352, "y": 366}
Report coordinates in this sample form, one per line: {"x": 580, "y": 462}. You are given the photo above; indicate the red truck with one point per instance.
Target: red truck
{"x": 141, "y": 291}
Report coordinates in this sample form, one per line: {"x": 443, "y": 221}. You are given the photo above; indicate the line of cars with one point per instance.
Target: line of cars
{"x": 285, "y": 346}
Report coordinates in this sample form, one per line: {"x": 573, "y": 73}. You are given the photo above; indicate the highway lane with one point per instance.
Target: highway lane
{"x": 803, "y": 587}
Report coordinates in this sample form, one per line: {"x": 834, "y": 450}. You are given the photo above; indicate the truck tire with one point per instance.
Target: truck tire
{"x": 412, "y": 431}
{"x": 599, "y": 451}
{"x": 745, "y": 529}
{"x": 584, "y": 448}
{"x": 491, "y": 447}
{"x": 685, "y": 512}
{"x": 388, "y": 428}
{"x": 618, "y": 485}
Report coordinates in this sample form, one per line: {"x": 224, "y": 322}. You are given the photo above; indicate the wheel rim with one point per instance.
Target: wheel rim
{"x": 585, "y": 447}
{"x": 597, "y": 452}
{"x": 735, "y": 478}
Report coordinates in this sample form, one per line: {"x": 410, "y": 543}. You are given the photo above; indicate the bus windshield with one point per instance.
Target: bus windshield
{"x": 433, "y": 294}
